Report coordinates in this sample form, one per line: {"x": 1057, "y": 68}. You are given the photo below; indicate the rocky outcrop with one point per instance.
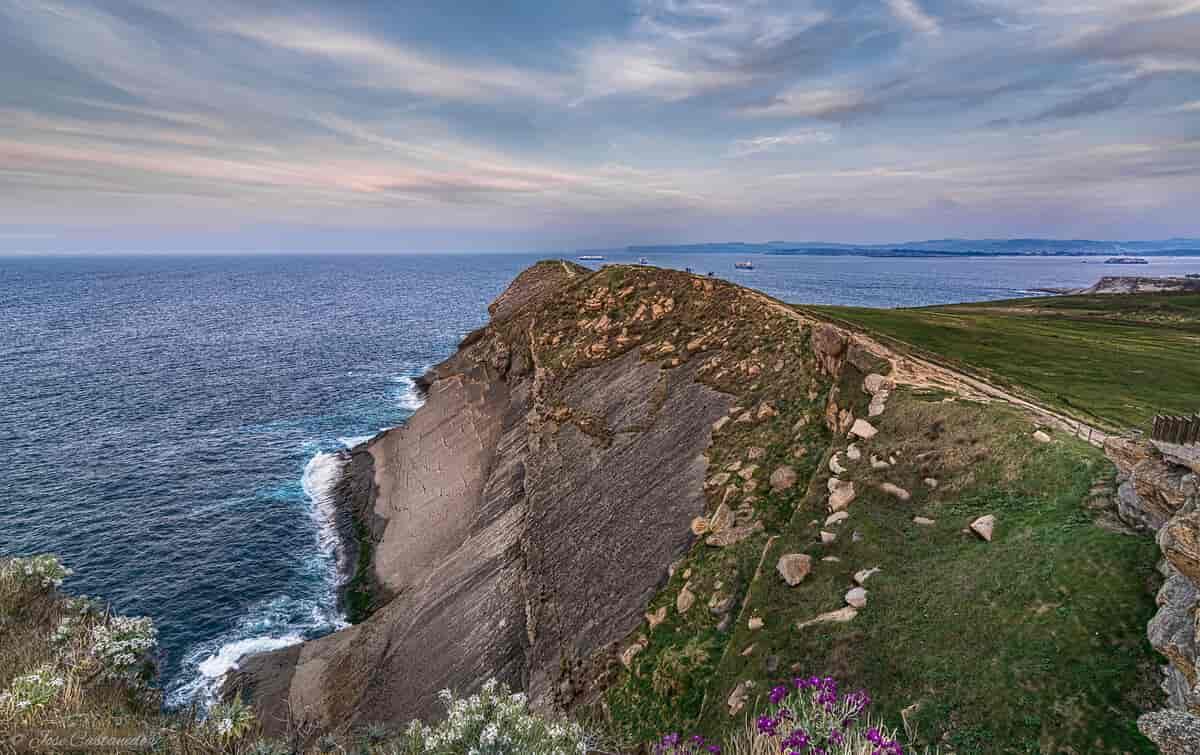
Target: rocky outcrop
{"x": 1156, "y": 493}
{"x": 1138, "y": 284}
{"x": 516, "y": 526}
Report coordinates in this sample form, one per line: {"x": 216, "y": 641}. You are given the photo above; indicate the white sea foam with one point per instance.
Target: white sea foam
{"x": 354, "y": 440}
{"x": 321, "y": 474}
{"x": 408, "y": 398}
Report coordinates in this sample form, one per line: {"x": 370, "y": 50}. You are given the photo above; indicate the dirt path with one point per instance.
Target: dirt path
{"x": 917, "y": 372}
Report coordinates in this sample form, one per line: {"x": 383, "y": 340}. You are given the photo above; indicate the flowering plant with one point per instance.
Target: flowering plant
{"x": 230, "y": 721}
{"x": 39, "y": 571}
{"x": 806, "y": 717}
{"x": 31, "y": 692}
{"x": 123, "y": 646}
{"x": 493, "y": 722}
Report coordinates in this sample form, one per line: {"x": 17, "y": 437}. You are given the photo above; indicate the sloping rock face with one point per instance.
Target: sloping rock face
{"x": 1158, "y": 494}
{"x": 520, "y": 522}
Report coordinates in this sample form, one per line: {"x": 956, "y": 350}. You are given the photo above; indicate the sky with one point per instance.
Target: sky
{"x": 235, "y": 125}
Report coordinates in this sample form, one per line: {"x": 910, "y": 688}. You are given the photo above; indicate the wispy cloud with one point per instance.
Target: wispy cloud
{"x": 745, "y": 147}
{"x": 912, "y": 14}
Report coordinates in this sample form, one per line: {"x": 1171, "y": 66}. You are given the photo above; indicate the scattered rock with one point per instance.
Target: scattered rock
{"x": 835, "y": 464}
{"x": 856, "y": 597}
{"x": 799, "y": 452}
{"x": 747, "y": 471}
{"x": 840, "y": 616}
{"x": 755, "y": 452}
{"x": 863, "y": 429}
{"x": 895, "y": 490}
{"x": 685, "y": 599}
{"x": 930, "y": 483}
{"x": 794, "y": 567}
{"x": 723, "y": 625}
{"x": 656, "y": 617}
{"x": 856, "y": 537}
{"x": 733, "y": 535}
{"x": 754, "y": 624}
{"x": 877, "y": 463}
{"x": 1041, "y": 436}
{"x": 749, "y": 649}
{"x": 878, "y": 404}
{"x": 766, "y": 410}
{"x": 841, "y": 494}
{"x": 744, "y": 418}
{"x": 827, "y": 537}
{"x": 873, "y": 383}
{"x": 836, "y": 518}
{"x": 924, "y": 521}
{"x": 719, "y": 605}
{"x": 832, "y": 559}
{"x": 699, "y": 525}
{"x": 852, "y": 452}
{"x": 721, "y": 520}
{"x": 783, "y": 478}
{"x": 861, "y": 576}
{"x": 737, "y": 698}
{"x": 984, "y": 526}
{"x": 717, "y": 480}
{"x": 628, "y": 654}
{"x": 772, "y": 664}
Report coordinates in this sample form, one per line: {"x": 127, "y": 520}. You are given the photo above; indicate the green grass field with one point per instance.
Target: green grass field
{"x": 1114, "y": 360}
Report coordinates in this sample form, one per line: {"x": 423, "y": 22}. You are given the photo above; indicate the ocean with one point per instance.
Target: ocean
{"x": 171, "y": 421}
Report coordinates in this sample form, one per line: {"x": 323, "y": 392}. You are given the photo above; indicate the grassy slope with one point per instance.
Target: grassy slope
{"x": 1113, "y": 360}
{"x": 1034, "y": 642}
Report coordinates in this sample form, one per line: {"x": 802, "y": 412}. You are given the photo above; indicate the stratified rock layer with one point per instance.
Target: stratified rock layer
{"x": 520, "y": 522}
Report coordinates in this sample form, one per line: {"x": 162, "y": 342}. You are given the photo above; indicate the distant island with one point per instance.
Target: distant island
{"x": 932, "y": 248}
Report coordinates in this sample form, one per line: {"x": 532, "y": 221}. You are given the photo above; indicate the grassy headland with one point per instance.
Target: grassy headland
{"x": 1111, "y": 360}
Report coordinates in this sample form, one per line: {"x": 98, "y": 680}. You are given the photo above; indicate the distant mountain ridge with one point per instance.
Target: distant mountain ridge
{"x": 933, "y": 248}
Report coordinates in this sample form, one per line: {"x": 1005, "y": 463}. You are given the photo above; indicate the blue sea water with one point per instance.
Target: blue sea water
{"x": 168, "y": 422}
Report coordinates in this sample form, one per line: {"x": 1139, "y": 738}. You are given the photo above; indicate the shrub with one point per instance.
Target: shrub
{"x": 30, "y": 693}
{"x": 36, "y": 571}
{"x": 123, "y": 647}
{"x": 493, "y": 722}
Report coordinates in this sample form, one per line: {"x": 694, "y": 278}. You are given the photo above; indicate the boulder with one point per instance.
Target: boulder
{"x": 783, "y": 478}
{"x": 828, "y": 345}
{"x": 874, "y": 383}
{"x": 856, "y": 597}
{"x": 755, "y": 452}
{"x": 628, "y": 654}
{"x": 835, "y": 464}
{"x": 840, "y": 616}
{"x": 924, "y": 521}
{"x": 747, "y": 471}
{"x": 654, "y": 618}
{"x": 1172, "y": 631}
{"x": 733, "y": 535}
{"x": 827, "y": 537}
{"x": 895, "y": 490}
{"x": 685, "y": 599}
{"x": 861, "y": 576}
{"x": 737, "y": 698}
{"x": 1041, "y": 436}
{"x": 852, "y": 452}
{"x": 719, "y": 604}
{"x": 755, "y": 623}
{"x": 984, "y": 526}
{"x": 863, "y": 429}
{"x": 930, "y": 483}
{"x": 878, "y": 404}
{"x": 699, "y": 525}
{"x": 794, "y": 567}
{"x": 877, "y": 463}
{"x": 841, "y": 494}
{"x": 836, "y": 518}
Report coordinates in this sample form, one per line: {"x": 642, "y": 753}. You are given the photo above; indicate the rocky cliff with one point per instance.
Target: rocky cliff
{"x": 520, "y": 522}
{"x": 1160, "y": 492}
{"x": 644, "y": 497}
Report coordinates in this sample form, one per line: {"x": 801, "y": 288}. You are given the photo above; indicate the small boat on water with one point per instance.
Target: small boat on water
{"x": 744, "y": 265}
{"x": 591, "y": 256}
{"x": 1126, "y": 261}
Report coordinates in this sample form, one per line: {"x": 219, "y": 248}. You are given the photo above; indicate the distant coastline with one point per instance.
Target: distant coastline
{"x": 1183, "y": 247}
